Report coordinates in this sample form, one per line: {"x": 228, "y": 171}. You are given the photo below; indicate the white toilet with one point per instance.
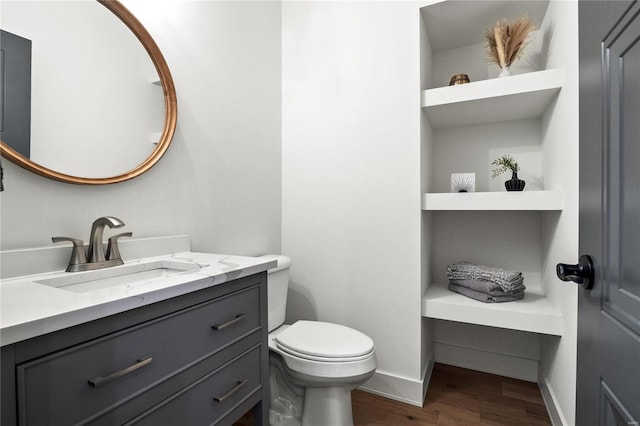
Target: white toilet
{"x": 313, "y": 365}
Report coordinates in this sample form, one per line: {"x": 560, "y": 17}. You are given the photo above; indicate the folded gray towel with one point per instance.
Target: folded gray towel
{"x": 483, "y": 297}
{"x": 508, "y": 280}
{"x": 487, "y": 287}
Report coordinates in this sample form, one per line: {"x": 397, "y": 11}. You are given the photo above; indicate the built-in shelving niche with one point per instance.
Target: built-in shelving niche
{"x": 464, "y": 128}
{"x": 521, "y": 99}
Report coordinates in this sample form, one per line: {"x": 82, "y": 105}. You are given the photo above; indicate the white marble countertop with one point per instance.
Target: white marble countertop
{"x": 29, "y": 309}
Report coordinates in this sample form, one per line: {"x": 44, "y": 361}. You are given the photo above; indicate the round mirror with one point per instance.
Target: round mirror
{"x": 87, "y": 100}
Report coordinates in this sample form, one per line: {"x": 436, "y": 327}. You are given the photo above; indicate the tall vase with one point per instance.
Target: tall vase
{"x": 505, "y": 72}
{"x": 514, "y": 184}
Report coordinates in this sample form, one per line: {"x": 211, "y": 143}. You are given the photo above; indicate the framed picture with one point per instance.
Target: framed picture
{"x": 463, "y": 182}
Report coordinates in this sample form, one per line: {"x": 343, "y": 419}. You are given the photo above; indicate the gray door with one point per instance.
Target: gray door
{"x": 608, "y": 388}
{"x": 15, "y": 92}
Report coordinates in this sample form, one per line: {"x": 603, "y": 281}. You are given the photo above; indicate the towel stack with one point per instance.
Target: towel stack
{"x": 485, "y": 283}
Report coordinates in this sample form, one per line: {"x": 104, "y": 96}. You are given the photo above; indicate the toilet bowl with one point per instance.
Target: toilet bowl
{"x": 314, "y": 365}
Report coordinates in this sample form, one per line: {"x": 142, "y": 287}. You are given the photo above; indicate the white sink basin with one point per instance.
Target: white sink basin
{"x": 130, "y": 275}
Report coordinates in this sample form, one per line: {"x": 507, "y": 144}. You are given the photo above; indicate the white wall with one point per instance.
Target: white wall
{"x": 561, "y": 130}
{"x": 426, "y": 152}
{"x": 220, "y": 180}
{"x": 495, "y": 350}
{"x": 459, "y": 149}
{"x": 351, "y": 176}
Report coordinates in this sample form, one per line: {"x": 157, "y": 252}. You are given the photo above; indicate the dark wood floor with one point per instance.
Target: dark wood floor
{"x": 458, "y": 397}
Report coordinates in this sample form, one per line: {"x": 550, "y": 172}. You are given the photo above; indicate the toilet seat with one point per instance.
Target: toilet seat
{"x": 330, "y": 365}
{"x": 325, "y": 342}
{"x": 323, "y": 359}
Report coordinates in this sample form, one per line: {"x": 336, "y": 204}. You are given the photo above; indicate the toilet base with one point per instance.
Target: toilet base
{"x": 312, "y": 392}
{"x": 286, "y": 398}
{"x": 327, "y": 406}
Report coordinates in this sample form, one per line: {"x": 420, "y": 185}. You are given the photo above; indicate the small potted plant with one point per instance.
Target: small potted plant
{"x": 504, "y": 164}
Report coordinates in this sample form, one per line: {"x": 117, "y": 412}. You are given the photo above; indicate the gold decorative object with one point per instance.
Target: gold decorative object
{"x": 459, "y": 79}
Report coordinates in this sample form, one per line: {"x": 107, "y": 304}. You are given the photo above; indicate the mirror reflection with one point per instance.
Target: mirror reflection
{"x": 97, "y": 106}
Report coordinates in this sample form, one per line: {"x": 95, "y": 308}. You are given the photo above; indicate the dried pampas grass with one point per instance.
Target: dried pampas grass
{"x": 505, "y": 41}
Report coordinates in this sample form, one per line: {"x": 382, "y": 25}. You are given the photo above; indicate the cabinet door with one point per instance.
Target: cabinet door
{"x": 214, "y": 396}
{"x": 87, "y": 380}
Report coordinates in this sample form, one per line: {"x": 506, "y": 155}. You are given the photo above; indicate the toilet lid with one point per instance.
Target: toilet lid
{"x": 324, "y": 340}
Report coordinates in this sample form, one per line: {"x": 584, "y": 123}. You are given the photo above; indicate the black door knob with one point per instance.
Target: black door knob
{"x": 582, "y": 273}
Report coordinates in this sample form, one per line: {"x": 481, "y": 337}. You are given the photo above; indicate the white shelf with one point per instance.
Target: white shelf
{"x": 534, "y": 313}
{"x": 491, "y": 201}
{"x": 500, "y": 99}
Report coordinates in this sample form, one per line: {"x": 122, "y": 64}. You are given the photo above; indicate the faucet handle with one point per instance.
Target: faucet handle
{"x": 78, "y": 255}
{"x": 113, "y": 253}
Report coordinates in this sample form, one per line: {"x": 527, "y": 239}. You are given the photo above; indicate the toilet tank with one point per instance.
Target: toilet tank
{"x": 277, "y": 287}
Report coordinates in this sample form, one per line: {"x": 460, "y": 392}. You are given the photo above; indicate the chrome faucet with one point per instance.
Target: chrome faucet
{"x": 96, "y": 249}
{"x": 96, "y": 255}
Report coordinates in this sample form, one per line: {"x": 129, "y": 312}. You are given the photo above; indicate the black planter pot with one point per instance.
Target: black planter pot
{"x": 514, "y": 184}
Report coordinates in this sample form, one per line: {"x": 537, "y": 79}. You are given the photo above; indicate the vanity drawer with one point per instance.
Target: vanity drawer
{"x": 207, "y": 400}
{"x": 73, "y": 385}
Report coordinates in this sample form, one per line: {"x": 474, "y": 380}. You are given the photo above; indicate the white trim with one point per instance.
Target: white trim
{"x": 398, "y": 388}
{"x": 488, "y": 362}
{"x": 426, "y": 379}
{"x": 551, "y": 402}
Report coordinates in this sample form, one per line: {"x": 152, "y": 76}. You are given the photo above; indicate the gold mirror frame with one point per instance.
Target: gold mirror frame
{"x": 170, "y": 102}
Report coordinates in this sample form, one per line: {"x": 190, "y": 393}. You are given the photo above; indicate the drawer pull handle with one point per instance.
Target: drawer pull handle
{"x": 220, "y": 326}
{"x": 98, "y": 381}
{"x": 238, "y": 386}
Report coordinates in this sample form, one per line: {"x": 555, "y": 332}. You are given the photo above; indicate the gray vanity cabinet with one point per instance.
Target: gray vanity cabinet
{"x": 201, "y": 358}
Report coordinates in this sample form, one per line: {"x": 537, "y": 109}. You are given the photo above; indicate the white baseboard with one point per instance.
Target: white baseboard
{"x": 414, "y": 392}
{"x": 398, "y": 388}
{"x": 488, "y": 362}
{"x": 426, "y": 379}
{"x": 550, "y": 401}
